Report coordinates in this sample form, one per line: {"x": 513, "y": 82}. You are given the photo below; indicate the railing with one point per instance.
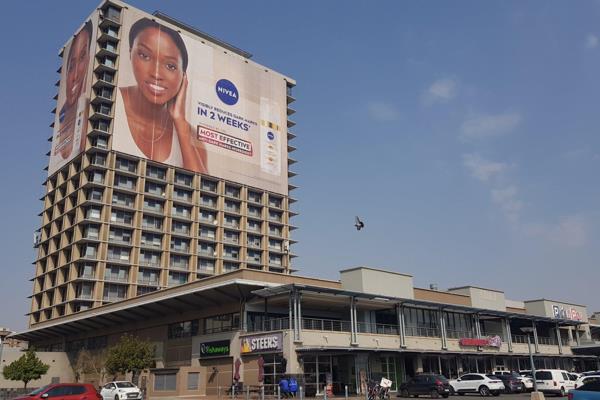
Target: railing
{"x": 549, "y": 341}
{"x": 454, "y": 334}
{"x": 381, "y": 329}
{"x": 522, "y": 339}
{"x": 329, "y": 325}
{"x": 423, "y": 331}
{"x": 274, "y": 324}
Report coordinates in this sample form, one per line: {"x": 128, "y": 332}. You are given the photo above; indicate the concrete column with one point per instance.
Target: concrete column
{"x": 244, "y": 316}
{"x": 535, "y": 337}
{"x": 477, "y": 330}
{"x": 508, "y": 334}
{"x": 291, "y": 313}
{"x": 299, "y": 317}
{"x": 443, "y": 330}
{"x": 418, "y": 363}
{"x": 559, "y": 340}
{"x": 577, "y": 338}
{"x": 401, "y": 325}
{"x": 353, "y": 322}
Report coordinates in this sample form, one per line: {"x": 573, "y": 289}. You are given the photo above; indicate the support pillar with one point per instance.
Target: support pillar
{"x": 559, "y": 339}
{"x": 443, "y": 330}
{"x": 291, "y": 307}
{"x": 508, "y": 335}
{"x": 353, "y": 322}
{"x": 299, "y": 316}
{"x": 577, "y": 338}
{"x": 477, "y": 330}
{"x": 401, "y": 324}
{"x": 535, "y": 337}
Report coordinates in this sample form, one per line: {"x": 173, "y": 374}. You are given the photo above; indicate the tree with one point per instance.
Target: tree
{"x": 89, "y": 362}
{"x": 27, "y": 368}
{"x": 130, "y": 354}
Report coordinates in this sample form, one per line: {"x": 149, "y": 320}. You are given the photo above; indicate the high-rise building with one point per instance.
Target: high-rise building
{"x": 169, "y": 163}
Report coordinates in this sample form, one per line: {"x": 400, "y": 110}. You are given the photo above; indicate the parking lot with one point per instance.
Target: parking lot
{"x": 514, "y": 396}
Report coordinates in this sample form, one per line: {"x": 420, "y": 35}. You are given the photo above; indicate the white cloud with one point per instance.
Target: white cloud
{"x": 486, "y": 125}
{"x": 506, "y": 198}
{"x": 442, "y": 90}
{"x": 591, "y": 41}
{"x": 383, "y": 112}
{"x": 569, "y": 231}
{"x": 482, "y": 169}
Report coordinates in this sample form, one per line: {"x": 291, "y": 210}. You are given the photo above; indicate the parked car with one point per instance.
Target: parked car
{"x": 526, "y": 381}
{"x": 64, "y": 391}
{"x": 554, "y": 381}
{"x": 512, "y": 383}
{"x": 477, "y": 383}
{"x": 426, "y": 384}
{"x": 120, "y": 390}
{"x": 585, "y": 379}
{"x": 589, "y": 391}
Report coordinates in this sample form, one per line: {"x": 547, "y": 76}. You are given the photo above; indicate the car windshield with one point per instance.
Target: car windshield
{"x": 124, "y": 384}
{"x": 37, "y": 391}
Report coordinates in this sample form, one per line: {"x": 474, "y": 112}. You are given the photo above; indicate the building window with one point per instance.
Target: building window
{"x": 126, "y": 165}
{"x": 210, "y": 186}
{"x": 145, "y": 289}
{"x": 123, "y": 199}
{"x": 231, "y": 236}
{"x": 208, "y": 201}
{"x": 232, "y": 206}
{"x": 221, "y": 323}
{"x": 254, "y": 226}
{"x": 181, "y": 227}
{"x": 183, "y": 329}
{"x": 181, "y": 211}
{"x": 116, "y": 274}
{"x": 151, "y": 239}
{"x": 121, "y": 217}
{"x": 182, "y": 194}
{"x": 183, "y": 179}
{"x": 232, "y": 221}
{"x": 206, "y": 266}
{"x": 208, "y": 216}
{"x": 206, "y": 249}
{"x": 230, "y": 266}
{"x": 149, "y": 258}
{"x": 119, "y": 235}
{"x": 155, "y": 172}
{"x": 207, "y": 233}
{"x": 153, "y": 205}
{"x": 177, "y": 278}
{"x": 118, "y": 254}
{"x": 165, "y": 382}
{"x": 253, "y": 241}
{"x": 177, "y": 261}
{"x": 178, "y": 244}
{"x": 254, "y": 197}
{"x": 232, "y": 191}
{"x": 150, "y": 222}
{"x": 125, "y": 182}
{"x": 275, "y": 201}
{"x": 114, "y": 292}
{"x": 154, "y": 188}
{"x": 192, "y": 380}
{"x": 147, "y": 277}
{"x": 231, "y": 252}
{"x": 254, "y": 211}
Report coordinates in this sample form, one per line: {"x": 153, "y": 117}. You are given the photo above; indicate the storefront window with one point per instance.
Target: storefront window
{"x": 421, "y": 322}
{"x": 221, "y": 323}
{"x": 183, "y": 329}
{"x": 274, "y": 368}
{"x": 165, "y": 382}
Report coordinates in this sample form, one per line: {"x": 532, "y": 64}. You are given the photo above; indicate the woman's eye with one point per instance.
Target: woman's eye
{"x": 171, "y": 67}
{"x": 143, "y": 56}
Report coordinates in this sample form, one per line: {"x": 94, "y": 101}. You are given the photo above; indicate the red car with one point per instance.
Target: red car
{"x": 64, "y": 391}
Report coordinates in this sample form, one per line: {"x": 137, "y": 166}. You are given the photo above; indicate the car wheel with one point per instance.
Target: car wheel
{"x": 435, "y": 394}
{"x": 452, "y": 392}
{"x": 116, "y": 397}
{"x": 496, "y": 393}
{"x": 404, "y": 393}
{"x": 445, "y": 395}
{"x": 562, "y": 392}
{"x": 484, "y": 391}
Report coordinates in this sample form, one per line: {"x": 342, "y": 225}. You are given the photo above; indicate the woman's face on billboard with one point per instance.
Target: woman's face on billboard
{"x": 77, "y": 65}
{"x": 157, "y": 65}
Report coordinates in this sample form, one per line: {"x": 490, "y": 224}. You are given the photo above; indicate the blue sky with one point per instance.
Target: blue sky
{"x": 464, "y": 133}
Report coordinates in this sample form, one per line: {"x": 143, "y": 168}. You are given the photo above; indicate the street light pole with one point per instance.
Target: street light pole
{"x": 532, "y": 364}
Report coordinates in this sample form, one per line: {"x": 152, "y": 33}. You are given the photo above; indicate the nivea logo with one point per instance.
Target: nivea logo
{"x": 270, "y": 135}
{"x": 227, "y": 92}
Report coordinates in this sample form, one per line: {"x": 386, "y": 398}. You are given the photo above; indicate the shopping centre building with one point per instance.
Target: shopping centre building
{"x": 174, "y": 225}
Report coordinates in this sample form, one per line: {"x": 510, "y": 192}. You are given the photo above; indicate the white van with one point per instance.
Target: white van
{"x": 555, "y": 381}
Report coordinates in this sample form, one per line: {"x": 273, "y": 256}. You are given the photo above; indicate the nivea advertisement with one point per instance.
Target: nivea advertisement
{"x": 188, "y": 104}
{"x": 72, "y": 110}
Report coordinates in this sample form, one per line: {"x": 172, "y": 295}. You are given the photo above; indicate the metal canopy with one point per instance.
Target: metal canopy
{"x": 153, "y": 305}
{"x": 284, "y": 289}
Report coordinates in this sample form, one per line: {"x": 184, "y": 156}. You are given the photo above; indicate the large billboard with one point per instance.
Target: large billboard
{"x": 72, "y": 108}
{"x": 189, "y": 104}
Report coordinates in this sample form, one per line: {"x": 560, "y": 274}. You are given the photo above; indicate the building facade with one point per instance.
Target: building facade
{"x": 119, "y": 222}
{"x": 328, "y": 334}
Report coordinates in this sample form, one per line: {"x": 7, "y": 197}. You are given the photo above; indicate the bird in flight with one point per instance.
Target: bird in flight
{"x": 358, "y": 223}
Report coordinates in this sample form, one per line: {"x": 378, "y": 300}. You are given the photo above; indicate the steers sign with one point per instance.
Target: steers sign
{"x": 262, "y": 343}
{"x": 493, "y": 341}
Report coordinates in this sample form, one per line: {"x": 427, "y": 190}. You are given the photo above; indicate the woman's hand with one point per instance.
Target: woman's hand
{"x": 177, "y": 105}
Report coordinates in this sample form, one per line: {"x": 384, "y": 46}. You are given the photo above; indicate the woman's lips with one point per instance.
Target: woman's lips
{"x": 155, "y": 88}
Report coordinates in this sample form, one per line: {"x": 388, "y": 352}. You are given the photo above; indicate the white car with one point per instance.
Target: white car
{"x": 120, "y": 390}
{"x": 477, "y": 383}
{"x": 586, "y": 379}
{"x": 554, "y": 381}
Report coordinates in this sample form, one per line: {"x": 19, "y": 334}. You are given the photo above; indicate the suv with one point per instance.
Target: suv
{"x": 477, "y": 383}
{"x": 512, "y": 383}
{"x": 426, "y": 384}
{"x": 64, "y": 391}
{"x": 555, "y": 381}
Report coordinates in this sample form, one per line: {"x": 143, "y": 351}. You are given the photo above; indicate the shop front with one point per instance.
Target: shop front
{"x": 263, "y": 360}
{"x": 216, "y": 360}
